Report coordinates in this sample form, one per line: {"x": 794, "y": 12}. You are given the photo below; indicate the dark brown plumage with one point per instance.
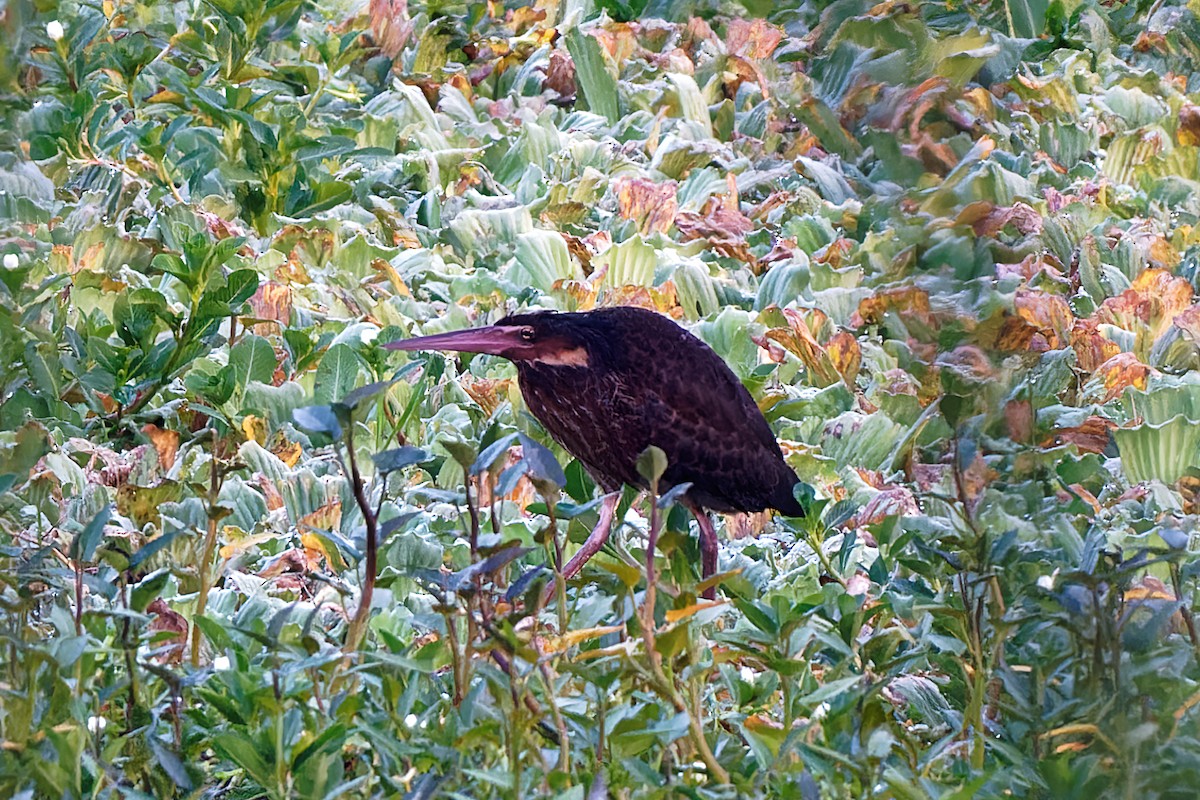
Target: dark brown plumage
{"x": 608, "y": 384}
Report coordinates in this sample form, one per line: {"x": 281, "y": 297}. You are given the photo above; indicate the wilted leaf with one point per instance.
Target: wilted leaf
{"x": 166, "y": 444}
{"x": 1092, "y": 436}
{"x": 652, "y": 206}
{"x": 558, "y": 644}
{"x": 391, "y": 25}
{"x": 721, "y": 224}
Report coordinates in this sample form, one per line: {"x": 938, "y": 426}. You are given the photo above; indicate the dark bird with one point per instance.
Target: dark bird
{"x": 608, "y": 384}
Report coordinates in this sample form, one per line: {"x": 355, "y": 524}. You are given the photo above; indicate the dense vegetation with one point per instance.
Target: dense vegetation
{"x": 951, "y": 249}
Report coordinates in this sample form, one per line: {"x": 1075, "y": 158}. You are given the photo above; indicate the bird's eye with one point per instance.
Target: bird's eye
{"x": 527, "y": 334}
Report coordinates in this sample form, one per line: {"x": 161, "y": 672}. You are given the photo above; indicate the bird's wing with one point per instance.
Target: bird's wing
{"x": 712, "y": 432}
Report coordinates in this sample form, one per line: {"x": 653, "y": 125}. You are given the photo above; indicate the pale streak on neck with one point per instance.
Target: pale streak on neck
{"x": 567, "y": 357}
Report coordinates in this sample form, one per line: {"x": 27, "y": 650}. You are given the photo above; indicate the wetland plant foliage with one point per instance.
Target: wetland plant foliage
{"x": 951, "y": 249}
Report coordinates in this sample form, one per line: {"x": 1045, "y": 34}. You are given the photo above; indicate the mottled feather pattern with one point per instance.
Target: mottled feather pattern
{"x": 634, "y": 394}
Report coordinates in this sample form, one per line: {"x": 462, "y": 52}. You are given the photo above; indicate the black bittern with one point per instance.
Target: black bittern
{"x": 610, "y": 383}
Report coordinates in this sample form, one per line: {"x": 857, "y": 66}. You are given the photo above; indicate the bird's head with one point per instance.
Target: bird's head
{"x": 539, "y": 338}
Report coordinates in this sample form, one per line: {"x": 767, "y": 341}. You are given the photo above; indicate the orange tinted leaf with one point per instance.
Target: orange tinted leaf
{"x": 1091, "y": 347}
{"x": 166, "y": 444}
{"x": 1155, "y": 298}
{"x": 895, "y": 501}
{"x": 1042, "y": 322}
{"x": 661, "y": 299}
{"x": 754, "y": 39}
{"x": 798, "y": 338}
{"x": 289, "y": 561}
{"x": 678, "y": 614}
{"x": 651, "y": 205}
{"x": 272, "y": 301}
{"x": 1018, "y": 416}
{"x": 987, "y": 219}
{"x": 560, "y": 75}
{"x": 557, "y": 644}
{"x": 908, "y": 301}
{"x": 315, "y": 549}
{"x": 489, "y": 393}
{"x": 722, "y": 223}
{"x": 167, "y": 627}
{"x": 1092, "y": 436}
{"x": 242, "y": 544}
{"x": 254, "y": 428}
{"x": 390, "y": 25}
{"x": 1017, "y": 335}
{"x": 1169, "y": 296}
{"x": 846, "y": 355}
{"x": 1086, "y": 496}
{"x": 270, "y": 493}
{"x": 1188, "y": 132}
{"x": 287, "y": 452}
{"x": 1120, "y": 372}
{"x": 326, "y": 518}
{"x": 1188, "y": 321}
{"x": 385, "y": 268}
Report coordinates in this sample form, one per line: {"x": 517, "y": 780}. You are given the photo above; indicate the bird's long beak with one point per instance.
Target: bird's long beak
{"x": 493, "y": 340}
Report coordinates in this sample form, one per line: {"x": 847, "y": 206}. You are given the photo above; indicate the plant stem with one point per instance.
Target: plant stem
{"x": 564, "y": 744}
{"x": 206, "y": 553}
{"x": 280, "y": 762}
{"x": 358, "y": 624}
{"x": 664, "y": 685}
{"x": 1185, "y": 610}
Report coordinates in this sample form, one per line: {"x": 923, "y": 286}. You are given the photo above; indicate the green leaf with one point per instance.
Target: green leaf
{"x": 399, "y": 458}
{"x": 240, "y": 286}
{"x": 241, "y": 750}
{"x": 328, "y": 741}
{"x": 598, "y": 85}
{"x": 543, "y": 466}
{"x": 83, "y": 546}
{"x": 174, "y": 265}
{"x": 318, "y": 419}
{"x": 337, "y": 374}
{"x": 491, "y": 454}
{"x": 252, "y": 359}
{"x": 215, "y": 389}
{"x": 1027, "y": 18}
{"x": 651, "y": 465}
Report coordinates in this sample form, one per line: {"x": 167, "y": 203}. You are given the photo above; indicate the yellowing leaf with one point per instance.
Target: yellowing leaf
{"x": 651, "y": 205}
{"x": 557, "y": 644}
{"x": 326, "y": 518}
{"x": 241, "y": 543}
{"x": 678, "y": 614}
{"x": 254, "y": 428}
{"x": 288, "y": 452}
{"x": 166, "y": 444}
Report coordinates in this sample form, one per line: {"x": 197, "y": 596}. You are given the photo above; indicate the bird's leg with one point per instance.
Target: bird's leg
{"x": 595, "y": 539}
{"x": 708, "y": 548}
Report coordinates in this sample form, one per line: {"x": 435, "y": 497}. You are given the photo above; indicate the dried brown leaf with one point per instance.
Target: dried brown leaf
{"x": 390, "y": 25}
{"x": 754, "y": 39}
{"x": 1188, "y": 132}
{"x": 1091, "y": 347}
{"x": 651, "y": 205}
{"x": 166, "y": 620}
{"x": 1092, "y": 436}
{"x": 272, "y": 301}
{"x": 846, "y": 355}
{"x": 166, "y": 444}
